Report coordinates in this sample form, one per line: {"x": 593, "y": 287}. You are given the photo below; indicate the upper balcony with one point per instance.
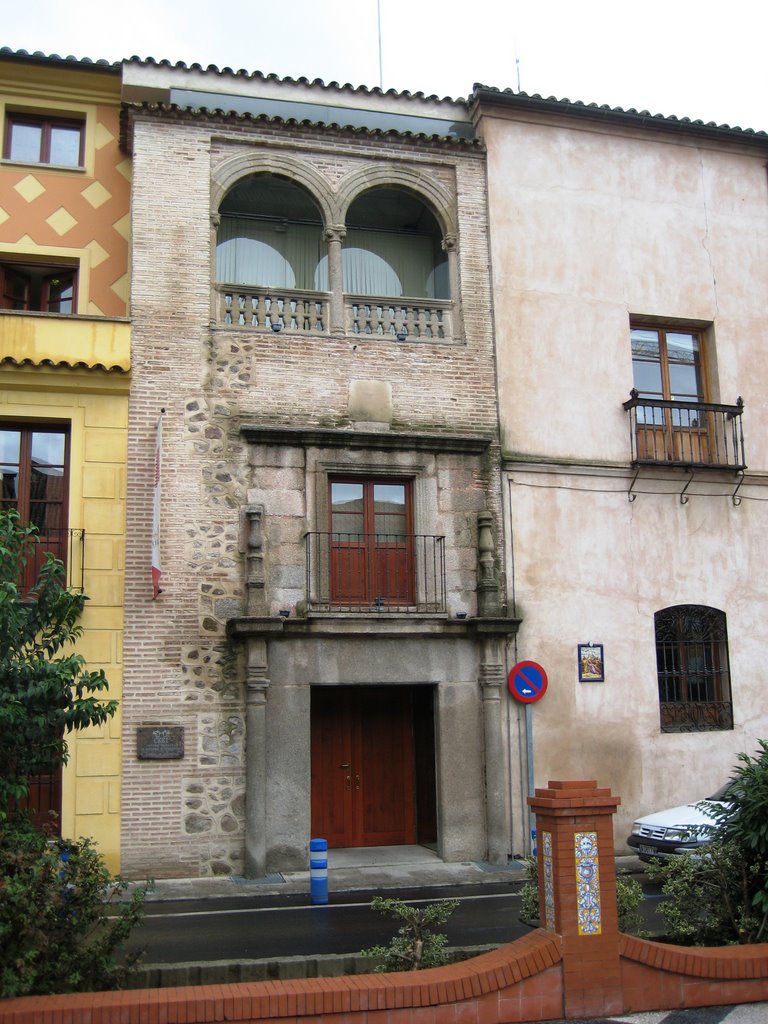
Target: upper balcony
{"x": 689, "y": 435}
{"x": 387, "y": 269}
{"x": 38, "y": 338}
{"x": 308, "y": 312}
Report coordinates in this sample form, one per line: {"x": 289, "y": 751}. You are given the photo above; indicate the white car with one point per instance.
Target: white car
{"x": 678, "y": 830}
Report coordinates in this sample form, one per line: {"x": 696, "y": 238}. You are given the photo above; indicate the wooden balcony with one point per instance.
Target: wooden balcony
{"x": 691, "y": 435}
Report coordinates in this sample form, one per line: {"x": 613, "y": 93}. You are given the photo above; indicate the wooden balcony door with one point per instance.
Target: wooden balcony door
{"x": 372, "y": 549}
{"x": 363, "y": 766}
{"x": 34, "y": 472}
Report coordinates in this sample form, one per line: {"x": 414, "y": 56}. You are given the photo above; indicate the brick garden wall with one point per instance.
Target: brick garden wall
{"x": 583, "y": 968}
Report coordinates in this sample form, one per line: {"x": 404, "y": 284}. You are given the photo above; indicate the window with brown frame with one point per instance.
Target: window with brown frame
{"x": 667, "y": 363}
{"x": 38, "y": 287}
{"x": 46, "y": 139}
{"x": 34, "y": 480}
{"x": 371, "y": 542}
{"x": 693, "y": 669}
{"x": 668, "y": 372}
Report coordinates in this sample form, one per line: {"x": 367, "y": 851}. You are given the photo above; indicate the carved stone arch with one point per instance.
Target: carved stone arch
{"x": 435, "y": 195}
{"x": 244, "y": 165}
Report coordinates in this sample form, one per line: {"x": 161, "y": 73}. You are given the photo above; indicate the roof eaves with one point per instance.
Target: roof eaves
{"x": 315, "y": 83}
{"x": 54, "y": 59}
{"x": 234, "y": 115}
{"x": 63, "y": 364}
{"x": 488, "y": 95}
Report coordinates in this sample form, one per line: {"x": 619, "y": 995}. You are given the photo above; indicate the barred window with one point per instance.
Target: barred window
{"x": 693, "y": 669}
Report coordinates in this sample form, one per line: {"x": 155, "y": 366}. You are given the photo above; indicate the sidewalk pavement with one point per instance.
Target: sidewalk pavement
{"x": 746, "y": 1013}
{"x": 365, "y": 868}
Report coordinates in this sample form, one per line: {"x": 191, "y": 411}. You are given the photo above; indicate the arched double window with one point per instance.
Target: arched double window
{"x": 693, "y": 669}
{"x": 385, "y": 271}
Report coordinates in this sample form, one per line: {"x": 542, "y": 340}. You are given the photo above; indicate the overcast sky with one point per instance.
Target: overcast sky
{"x": 689, "y": 58}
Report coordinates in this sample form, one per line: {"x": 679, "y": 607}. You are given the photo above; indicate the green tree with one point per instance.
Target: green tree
{"x": 45, "y": 689}
{"x": 416, "y": 946}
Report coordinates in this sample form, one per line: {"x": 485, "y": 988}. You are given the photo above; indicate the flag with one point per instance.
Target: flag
{"x": 156, "y": 571}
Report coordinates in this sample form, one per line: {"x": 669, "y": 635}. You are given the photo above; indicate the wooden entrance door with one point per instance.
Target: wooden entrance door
{"x": 363, "y": 766}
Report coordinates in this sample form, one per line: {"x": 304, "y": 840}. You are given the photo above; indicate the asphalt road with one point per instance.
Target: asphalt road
{"x": 245, "y": 928}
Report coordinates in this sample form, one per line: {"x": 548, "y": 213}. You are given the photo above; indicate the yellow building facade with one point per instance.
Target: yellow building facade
{"x": 65, "y": 369}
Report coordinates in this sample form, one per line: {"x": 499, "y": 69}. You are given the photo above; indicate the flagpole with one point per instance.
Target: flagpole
{"x": 156, "y": 495}
{"x": 381, "y": 71}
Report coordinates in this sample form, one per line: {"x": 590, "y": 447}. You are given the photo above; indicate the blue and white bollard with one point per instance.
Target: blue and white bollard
{"x": 318, "y": 871}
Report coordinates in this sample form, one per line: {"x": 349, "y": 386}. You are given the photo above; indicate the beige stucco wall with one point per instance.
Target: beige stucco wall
{"x": 590, "y": 226}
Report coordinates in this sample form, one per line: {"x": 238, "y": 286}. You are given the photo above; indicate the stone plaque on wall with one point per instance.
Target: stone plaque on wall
{"x": 160, "y": 742}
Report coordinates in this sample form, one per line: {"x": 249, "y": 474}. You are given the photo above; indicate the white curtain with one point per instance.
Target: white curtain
{"x": 271, "y": 254}
{"x": 388, "y": 264}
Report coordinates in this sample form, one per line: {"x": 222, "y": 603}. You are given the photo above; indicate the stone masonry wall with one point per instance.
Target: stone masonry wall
{"x": 185, "y": 817}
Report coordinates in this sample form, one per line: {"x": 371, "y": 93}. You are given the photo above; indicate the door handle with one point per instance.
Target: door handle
{"x": 345, "y": 765}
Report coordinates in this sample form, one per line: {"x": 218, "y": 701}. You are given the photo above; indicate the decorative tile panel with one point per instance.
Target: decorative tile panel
{"x": 549, "y": 888}
{"x": 587, "y": 883}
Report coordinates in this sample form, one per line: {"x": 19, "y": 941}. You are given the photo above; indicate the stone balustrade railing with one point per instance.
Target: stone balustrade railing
{"x": 275, "y": 309}
{"x": 407, "y": 319}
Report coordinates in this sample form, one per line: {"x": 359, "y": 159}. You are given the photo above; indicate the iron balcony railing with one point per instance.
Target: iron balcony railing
{"x": 375, "y": 572}
{"x": 66, "y": 545}
{"x": 686, "y": 434}
{"x": 696, "y": 715}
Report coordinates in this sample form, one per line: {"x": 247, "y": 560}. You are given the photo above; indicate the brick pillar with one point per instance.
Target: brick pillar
{"x": 577, "y": 892}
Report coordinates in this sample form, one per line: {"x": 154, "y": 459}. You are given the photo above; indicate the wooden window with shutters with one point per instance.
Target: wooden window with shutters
{"x": 668, "y": 365}
{"x": 38, "y": 287}
{"x": 372, "y": 542}
{"x": 34, "y": 480}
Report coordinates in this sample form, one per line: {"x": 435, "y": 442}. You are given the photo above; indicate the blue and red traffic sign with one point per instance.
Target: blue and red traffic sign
{"x": 527, "y": 682}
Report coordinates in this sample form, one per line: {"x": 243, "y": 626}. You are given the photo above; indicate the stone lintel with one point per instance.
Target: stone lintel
{"x": 438, "y": 627}
{"x": 254, "y": 626}
{"x": 319, "y": 437}
{"x": 494, "y": 625}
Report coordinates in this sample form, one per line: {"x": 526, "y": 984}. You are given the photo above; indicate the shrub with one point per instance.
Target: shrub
{"x": 720, "y": 896}
{"x": 708, "y": 897}
{"x": 61, "y": 928}
{"x": 415, "y": 947}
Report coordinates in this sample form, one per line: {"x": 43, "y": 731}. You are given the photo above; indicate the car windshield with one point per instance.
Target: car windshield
{"x": 722, "y": 793}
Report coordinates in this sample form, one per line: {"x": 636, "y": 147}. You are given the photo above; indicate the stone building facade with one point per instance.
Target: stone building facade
{"x": 311, "y": 321}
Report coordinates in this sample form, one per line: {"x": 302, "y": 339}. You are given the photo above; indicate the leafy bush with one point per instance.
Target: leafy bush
{"x": 708, "y": 899}
{"x": 61, "y": 928}
{"x": 415, "y": 947}
{"x": 720, "y": 896}
{"x": 629, "y": 896}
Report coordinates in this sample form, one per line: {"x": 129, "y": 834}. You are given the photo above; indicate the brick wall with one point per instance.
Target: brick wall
{"x": 185, "y": 817}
